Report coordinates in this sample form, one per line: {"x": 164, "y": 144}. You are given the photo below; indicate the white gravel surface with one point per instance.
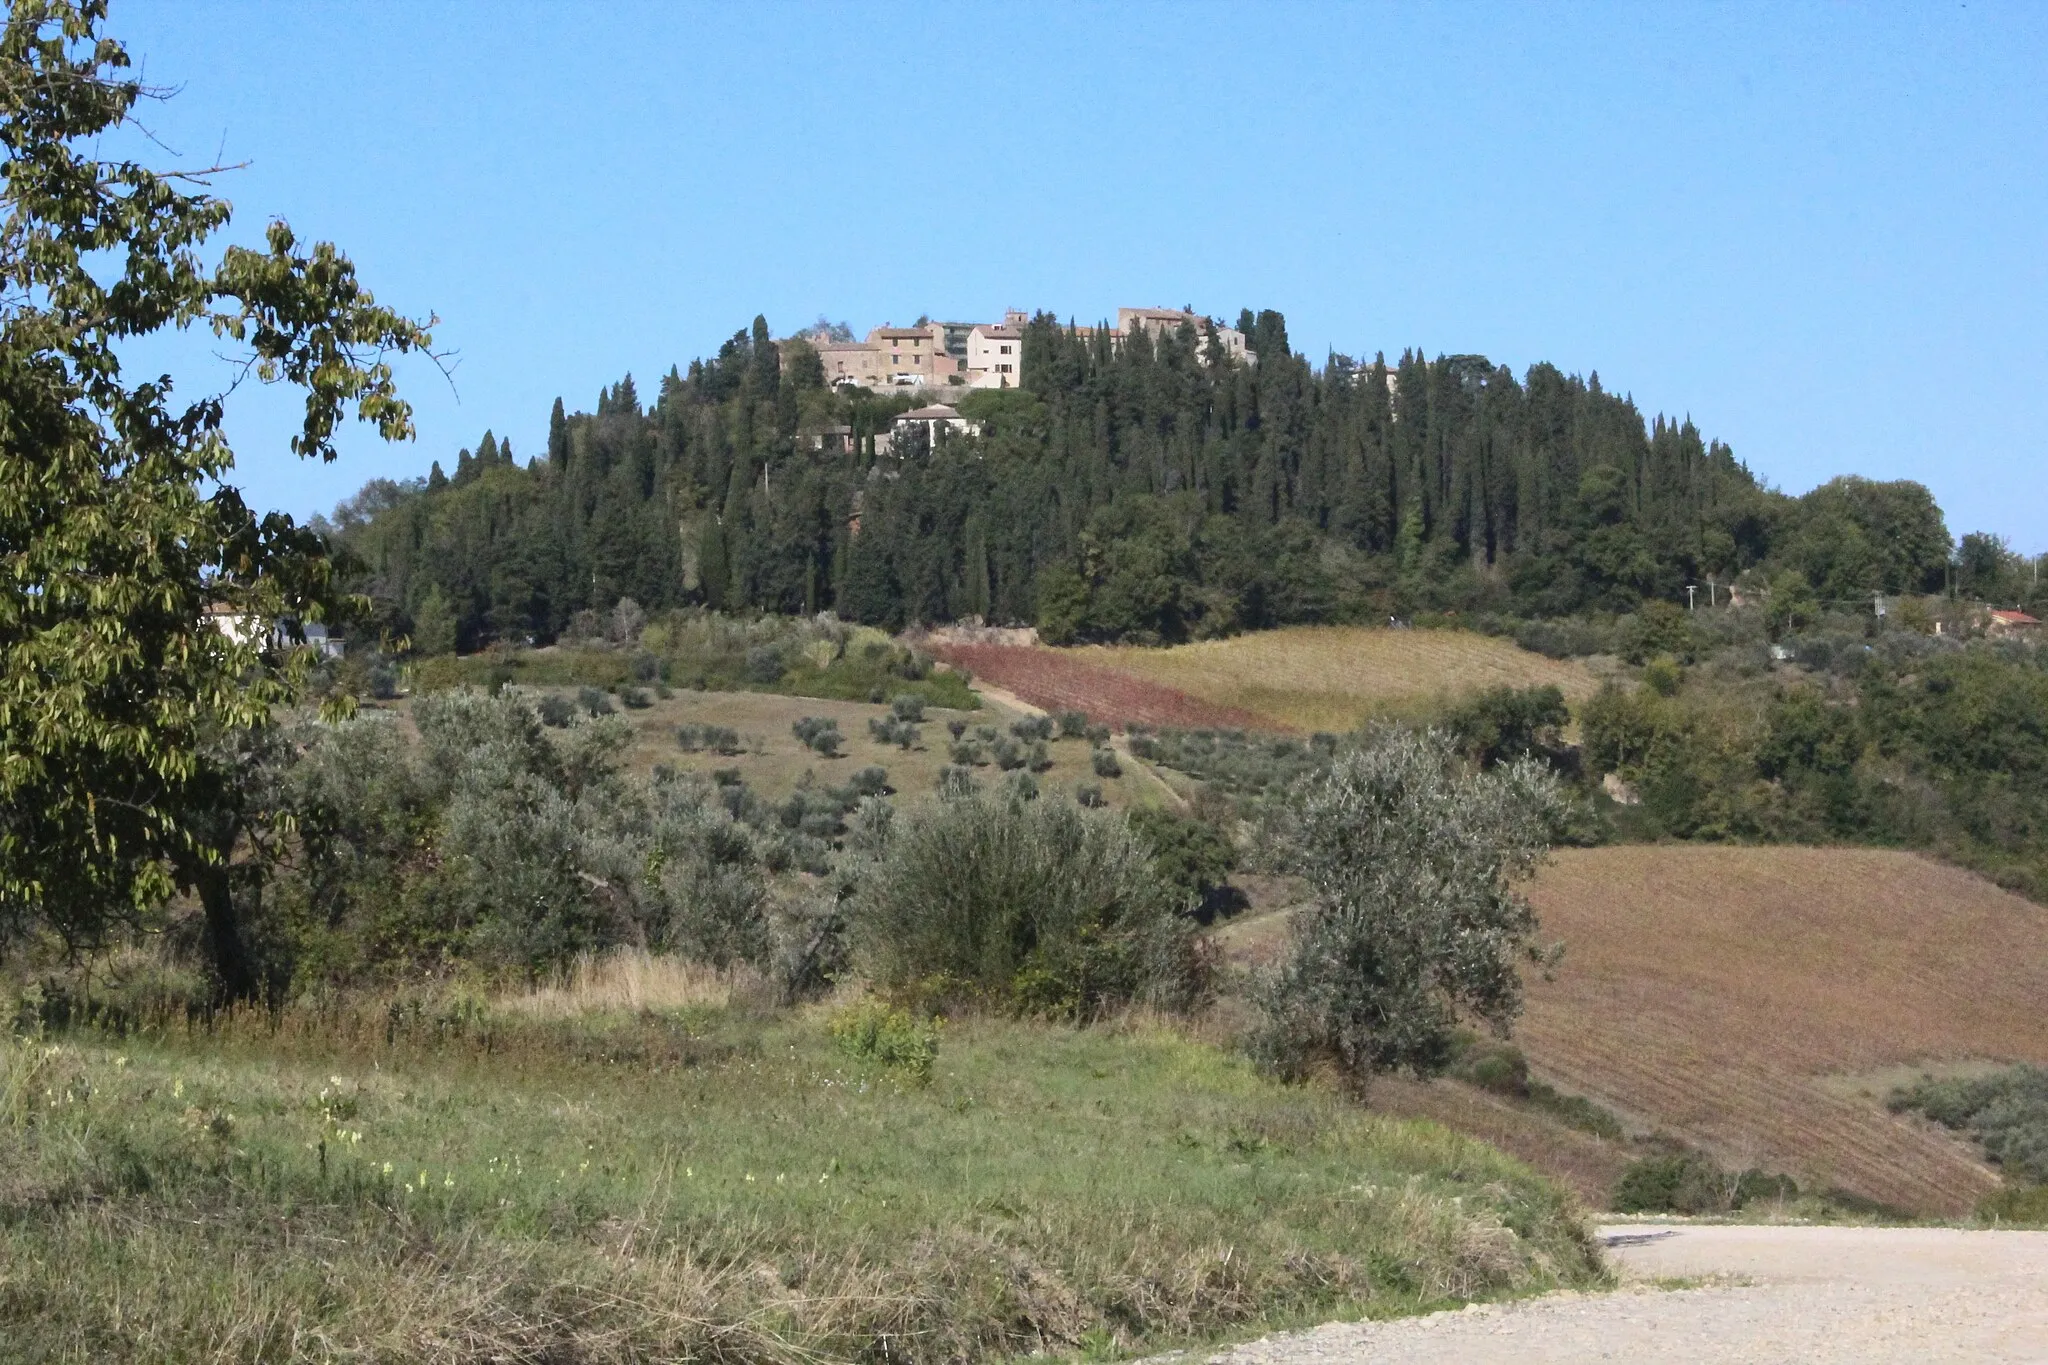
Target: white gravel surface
{"x": 1874, "y": 1296}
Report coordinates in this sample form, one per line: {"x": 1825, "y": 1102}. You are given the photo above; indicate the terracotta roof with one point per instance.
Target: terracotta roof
{"x": 2014, "y": 618}
{"x": 938, "y": 412}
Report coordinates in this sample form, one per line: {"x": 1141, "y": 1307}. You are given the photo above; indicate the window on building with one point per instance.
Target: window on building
{"x": 1005, "y": 350}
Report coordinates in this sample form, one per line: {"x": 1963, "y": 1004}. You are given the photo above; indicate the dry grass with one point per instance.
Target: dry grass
{"x": 1336, "y": 678}
{"x": 631, "y": 981}
{"x": 1721, "y": 993}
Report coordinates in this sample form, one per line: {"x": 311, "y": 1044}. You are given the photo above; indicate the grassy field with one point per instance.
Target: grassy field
{"x": 646, "y": 1165}
{"x": 1336, "y": 678}
{"x": 1725, "y": 994}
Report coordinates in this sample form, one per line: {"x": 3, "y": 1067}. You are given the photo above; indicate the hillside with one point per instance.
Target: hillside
{"x": 1306, "y": 678}
{"x": 1336, "y": 678}
{"x": 1760, "y": 1002}
{"x": 1134, "y": 493}
{"x": 1735, "y": 995}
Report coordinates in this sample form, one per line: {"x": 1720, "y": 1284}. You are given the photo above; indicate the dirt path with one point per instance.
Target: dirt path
{"x": 1873, "y": 1296}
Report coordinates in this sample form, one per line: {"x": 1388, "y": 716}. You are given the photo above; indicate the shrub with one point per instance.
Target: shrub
{"x": 872, "y": 1031}
{"x": 1040, "y": 758}
{"x": 1410, "y": 858}
{"x": 907, "y": 706}
{"x": 820, "y": 733}
{"x": 2007, "y": 1112}
{"x": 1020, "y": 786}
{"x": 1089, "y": 795}
{"x": 636, "y": 698}
{"x": 1032, "y": 728}
{"x": 1690, "y": 1182}
{"x": 594, "y": 701}
{"x": 719, "y": 739}
{"x": 891, "y": 729}
{"x": 2024, "y": 1205}
{"x": 1501, "y": 724}
{"x": 956, "y": 781}
{"x": 870, "y": 781}
{"x": 1009, "y": 754}
{"x": 555, "y": 710}
{"x": 981, "y": 890}
{"x": 1498, "y": 1067}
{"x": 1073, "y": 724}
{"x": 1105, "y": 763}
{"x": 967, "y": 755}
{"x": 956, "y": 728}
{"x": 987, "y": 734}
{"x": 1662, "y": 675}
{"x": 1096, "y": 734}
{"x": 1189, "y": 856}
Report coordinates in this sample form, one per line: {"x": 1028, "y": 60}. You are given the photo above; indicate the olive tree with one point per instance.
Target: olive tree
{"x": 1412, "y": 857}
{"x": 121, "y": 707}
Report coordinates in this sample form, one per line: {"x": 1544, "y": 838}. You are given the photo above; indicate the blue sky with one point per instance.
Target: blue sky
{"x": 1819, "y": 230}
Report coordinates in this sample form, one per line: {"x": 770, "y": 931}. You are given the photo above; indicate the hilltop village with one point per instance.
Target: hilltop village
{"x": 986, "y": 355}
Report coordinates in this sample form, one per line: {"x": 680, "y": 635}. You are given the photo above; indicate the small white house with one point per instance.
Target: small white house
{"x": 931, "y": 420}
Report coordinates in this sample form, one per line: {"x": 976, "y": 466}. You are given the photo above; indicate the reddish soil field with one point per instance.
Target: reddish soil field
{"x": 1726, "y": 994}
{"x": 1059, "y": 682}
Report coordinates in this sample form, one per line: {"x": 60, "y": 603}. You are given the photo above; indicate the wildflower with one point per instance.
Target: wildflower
{"x": 387, "y": 1168}
{"x": 178, "y": 1088}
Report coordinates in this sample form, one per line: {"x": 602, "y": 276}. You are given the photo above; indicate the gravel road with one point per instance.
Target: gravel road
{"x": 1873, "y": 1296}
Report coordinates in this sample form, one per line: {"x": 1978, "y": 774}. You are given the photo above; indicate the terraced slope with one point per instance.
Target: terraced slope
{"x": 1720, "y": 993}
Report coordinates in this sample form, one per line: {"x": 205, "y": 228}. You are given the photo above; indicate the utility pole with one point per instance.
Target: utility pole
{"x": 1690, "y": 589}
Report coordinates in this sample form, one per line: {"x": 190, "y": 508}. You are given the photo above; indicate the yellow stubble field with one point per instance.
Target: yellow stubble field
{"x": 1336, "y": 678}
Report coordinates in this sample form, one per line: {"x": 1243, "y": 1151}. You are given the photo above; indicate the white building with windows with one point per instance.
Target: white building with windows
{"x": 995, "y": 356}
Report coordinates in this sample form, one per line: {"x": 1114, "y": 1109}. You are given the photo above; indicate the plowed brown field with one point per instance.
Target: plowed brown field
{"x": 1712, "y": 991}
{"x": 1056, "y": 680}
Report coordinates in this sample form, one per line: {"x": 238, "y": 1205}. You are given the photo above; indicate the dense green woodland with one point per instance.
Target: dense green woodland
{"x": 1128, "y": 492}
